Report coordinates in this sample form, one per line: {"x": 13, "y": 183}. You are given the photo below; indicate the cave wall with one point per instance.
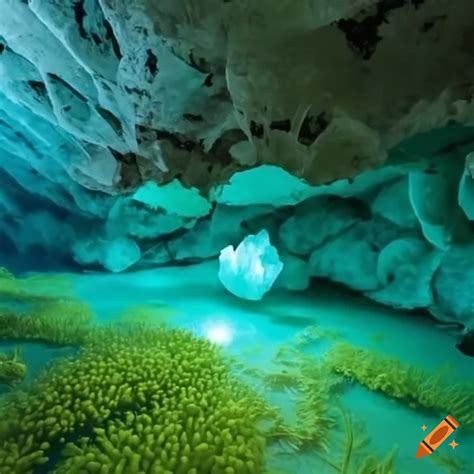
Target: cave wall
{"x": 196, "y": 90}
{"x": 142, "y": 133}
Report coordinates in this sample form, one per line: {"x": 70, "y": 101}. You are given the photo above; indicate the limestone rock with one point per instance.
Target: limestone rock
{"x": 405, "y": 269}
{"x": 452, "y": 286}
{"x": 237, "y": 86}
{"x": 316, "y": 221}
{"x": 432, "y": 197}
{"x": 228, "y": 225}
{"x": 150, "y": 133}
{"x": 173, "y": 199}
{"x": 351, "y": 257}
{"x": 295, "y": 275}
{"x": 393, "y": 203}
{"x": 114, "y": 255}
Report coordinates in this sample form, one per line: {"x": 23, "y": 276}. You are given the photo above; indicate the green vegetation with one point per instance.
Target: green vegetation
{"x": 139, "y": 396}
{"x": 33, "y": 288}
{"x": 158, "y": 400}
{"x": 352, "y": 457}
{"x": 153, "y": 314}
{"x": 41, "y": 308}
{"x": 12, "y": 368}
{"x": 63, "y": 322}
{"x": 411, "y": 385}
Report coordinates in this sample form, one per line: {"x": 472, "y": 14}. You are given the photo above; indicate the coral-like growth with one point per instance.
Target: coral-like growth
{"x": 143, "y": 400}
{"x": 12, "y": 368}
{"x": 412, "y": 385}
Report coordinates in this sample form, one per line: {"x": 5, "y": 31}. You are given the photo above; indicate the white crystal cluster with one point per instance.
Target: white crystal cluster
{"x": 250, "y": 270}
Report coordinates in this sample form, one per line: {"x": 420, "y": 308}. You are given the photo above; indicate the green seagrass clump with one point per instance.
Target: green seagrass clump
{"x": 60, "y": 322}
{"x": 412, "y": 385}
{"x": 150, "y": 400}
{"x": 41, "y": 308}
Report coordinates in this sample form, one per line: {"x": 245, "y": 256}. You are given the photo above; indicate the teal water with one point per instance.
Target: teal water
{"x": 253, "y": 332}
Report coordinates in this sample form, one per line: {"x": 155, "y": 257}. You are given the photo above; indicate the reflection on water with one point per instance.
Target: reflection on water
{"x": 162, "y": 371}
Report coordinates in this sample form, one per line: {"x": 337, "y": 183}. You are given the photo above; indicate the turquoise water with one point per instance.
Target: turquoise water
{"x": 253, "y": 332}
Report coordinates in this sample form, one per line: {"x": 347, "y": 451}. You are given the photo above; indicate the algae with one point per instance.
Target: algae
{"x": 352, "y": 457}
{"x": 419, "y": 389}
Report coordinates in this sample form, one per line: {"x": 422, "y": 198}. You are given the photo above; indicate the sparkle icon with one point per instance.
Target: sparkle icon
{"x": 453, "y": 444}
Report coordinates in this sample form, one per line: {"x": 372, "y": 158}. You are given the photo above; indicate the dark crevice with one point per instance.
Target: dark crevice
{"x": 363, "y": 36}
{"x": 151, "y": 62}
{"x": 177, "y": 141}
{"x": 153, "y": 242}
{"x": 452, "y": 147}
{"x": 221, "y": 147}
{"x": 200, "y": 64}
{"x": 312, "y": 127}
{"x": 137, "y": 91}
{"x": 128, "y": 158}
{"x": 38, "y": 87}
{"x": 80, "y": 14}
{"x": 68, "y": 86}
{"x": 2, "y": 48}
{"x": 110, "y": 35}
{"x": 256, "y": 129}
{"x": 129, "y": 170}
{"x": 111, "y": 119}
{"x": 283, "y": 125}
{"x": 96, "y": 39}
{"x": 106, "y": 87}
{"x": 466, "y": 344}
{"x": 428, "y": 25}
{"x": 193, "y": 117}
{"x": 208, "y": 80}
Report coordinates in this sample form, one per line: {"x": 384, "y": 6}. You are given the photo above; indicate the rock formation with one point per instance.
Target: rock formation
{"x": 165, "y": 131}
